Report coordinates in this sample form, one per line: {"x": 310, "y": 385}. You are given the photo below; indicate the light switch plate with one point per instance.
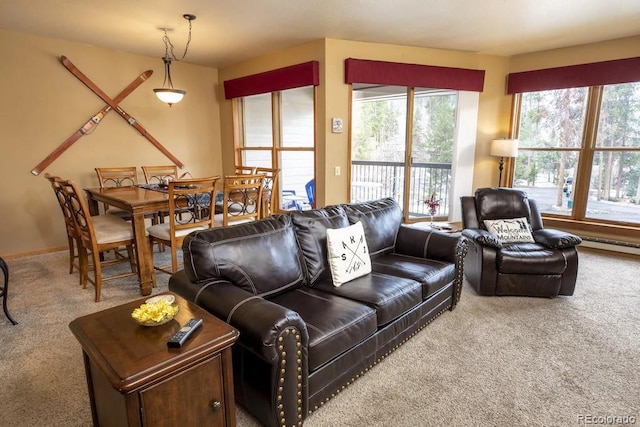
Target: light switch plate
{"x": 336, "y": 125}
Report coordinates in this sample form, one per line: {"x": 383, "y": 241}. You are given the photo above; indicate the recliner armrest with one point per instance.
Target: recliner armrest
{"x": 259, "y": 321}
{"x": 482, "y": 237}
{"x": 430, "y": 244}
{"x": 556, "y": 239}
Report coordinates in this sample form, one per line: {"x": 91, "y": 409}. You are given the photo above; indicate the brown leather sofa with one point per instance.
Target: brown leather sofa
{"x": 302, "y": 340}
{"x": 546, "y": 267}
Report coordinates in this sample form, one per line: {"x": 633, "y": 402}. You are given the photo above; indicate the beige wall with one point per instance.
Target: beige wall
{"x": 333, "y": 101}
{"x": 595, "y": 52}
{"x": 44, "y": 104}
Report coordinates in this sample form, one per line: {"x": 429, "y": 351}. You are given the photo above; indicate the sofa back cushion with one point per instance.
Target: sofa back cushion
{"x": 501, "y": 203}
{"x": 381, "y": 221}
{"x": 261, "y": 257}
{"x": 311, "y": 231}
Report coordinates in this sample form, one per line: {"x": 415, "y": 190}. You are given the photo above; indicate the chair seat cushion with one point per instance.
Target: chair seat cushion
{"x": 530, "y": 258}
{"x": 334, "y": 324}
{"x": 111, "y": 228}
{"x": 432, "y": 274}
{"x": 390, "y": 296}
{"x": 163, "y": 231}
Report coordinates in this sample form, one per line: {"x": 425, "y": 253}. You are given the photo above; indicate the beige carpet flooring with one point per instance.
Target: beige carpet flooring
{"x": 492, "y": 361}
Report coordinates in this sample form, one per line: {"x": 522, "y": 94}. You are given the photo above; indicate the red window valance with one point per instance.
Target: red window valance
{"x": 412, "y": 75}
{"x": 299, "y": 75}
{"x": 583, "y": 75}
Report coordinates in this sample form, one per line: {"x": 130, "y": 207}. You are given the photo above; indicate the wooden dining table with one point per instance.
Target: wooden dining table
{"x": 139, "y": 202}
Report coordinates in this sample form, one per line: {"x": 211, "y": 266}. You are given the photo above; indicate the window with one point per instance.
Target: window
{"x": 379, "y": 165}
{"x": 413, "y": 133}
{"x": 551, "y": 134}
{"x": 292, "y": 150}
{"x": 579, "y": 152}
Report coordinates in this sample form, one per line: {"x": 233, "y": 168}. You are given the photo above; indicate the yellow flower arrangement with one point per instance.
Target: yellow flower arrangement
{"x": 155, "y": 313}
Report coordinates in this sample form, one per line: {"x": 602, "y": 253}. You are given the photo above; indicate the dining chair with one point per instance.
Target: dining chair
{"x": 241, "y": 200}
{"x": 245, "y": 170}
{"x": 97, "y": 234}
{"x": 72, "y": 236}
{"x": 4, "y": 291}
{"x": 117, "y": 177}
{"x": 269, "y": 187}
{"x": 160, "y": 174}
{"x": 310, "y": 188}
{"x": 190, "y": 209}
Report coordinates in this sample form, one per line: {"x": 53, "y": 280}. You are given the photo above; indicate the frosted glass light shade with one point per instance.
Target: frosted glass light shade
{"x": 170, "y": 96}
{"x": 504, "y": 148}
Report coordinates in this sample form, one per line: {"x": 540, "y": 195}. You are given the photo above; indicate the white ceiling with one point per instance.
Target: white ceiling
{"x": 230, "y": 31}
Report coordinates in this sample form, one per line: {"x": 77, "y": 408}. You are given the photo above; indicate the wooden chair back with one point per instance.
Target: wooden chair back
{"x": 242, "y": 198}
{"x": 68, "y": 219}
{"x": 269, "y": 188}
{"x": 191, "y": 208}
{"x": 245, "y": 170}
{"x": 159, "y": 174}
{"x": 117, "y": 177}
{"x": 79, "y": 213}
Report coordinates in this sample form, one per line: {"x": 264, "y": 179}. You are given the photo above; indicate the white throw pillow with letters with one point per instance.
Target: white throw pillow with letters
{"x": 513, "y": 230}
{"x": 348, "y": 253}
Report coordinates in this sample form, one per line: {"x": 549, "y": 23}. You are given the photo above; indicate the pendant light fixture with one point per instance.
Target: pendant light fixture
{"x": 167, "y": 93}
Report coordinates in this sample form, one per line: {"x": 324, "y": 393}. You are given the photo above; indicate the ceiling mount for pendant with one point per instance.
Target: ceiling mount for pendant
{"x": 168, "y": 93}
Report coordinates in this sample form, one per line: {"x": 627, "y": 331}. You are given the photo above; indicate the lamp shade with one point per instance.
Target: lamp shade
{"x": 504, "y": 148}
{"x": 170, "y": 96}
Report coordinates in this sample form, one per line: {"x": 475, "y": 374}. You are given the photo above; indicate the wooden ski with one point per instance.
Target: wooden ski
{"x": 133, "y": 122}
{"x": 90, "y": 124}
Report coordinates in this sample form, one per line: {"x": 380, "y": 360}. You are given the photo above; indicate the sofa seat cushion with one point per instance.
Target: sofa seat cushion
{"x": 530, "y": 258}
{"x": 432, "y": 274}
{"x": 334, "y": 324}
{"x": 390, "y": 296}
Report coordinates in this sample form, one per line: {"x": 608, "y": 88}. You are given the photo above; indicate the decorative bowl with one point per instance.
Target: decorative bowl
{"x": 156, "y": 311}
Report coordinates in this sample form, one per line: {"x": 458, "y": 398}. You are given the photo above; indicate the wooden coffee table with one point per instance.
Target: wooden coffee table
{"x": 134, "y": 379}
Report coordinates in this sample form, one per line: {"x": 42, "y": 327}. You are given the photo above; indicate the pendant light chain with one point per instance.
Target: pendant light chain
{"x": 167, "y": 93}
{"x": 168, "y": 46}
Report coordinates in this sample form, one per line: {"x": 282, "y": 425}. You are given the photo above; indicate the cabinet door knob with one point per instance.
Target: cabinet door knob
{"x": 216, "y": 406}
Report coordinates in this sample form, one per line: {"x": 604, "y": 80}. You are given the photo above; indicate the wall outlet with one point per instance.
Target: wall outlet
{"x": 337, "y": 170}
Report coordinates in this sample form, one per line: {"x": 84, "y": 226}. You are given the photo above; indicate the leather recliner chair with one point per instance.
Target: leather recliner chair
{"x": 546, "y": 267}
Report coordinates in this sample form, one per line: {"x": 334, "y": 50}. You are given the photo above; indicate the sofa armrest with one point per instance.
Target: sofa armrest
{"x": 556, "y": 239}
{"x": 260, "y": 322}
{"x": 437, "y": 245}
{"x": 482, "y": 237}
{"x": 430, "y": 244}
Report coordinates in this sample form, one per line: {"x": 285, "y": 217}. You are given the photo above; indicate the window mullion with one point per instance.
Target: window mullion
{"x": 585, "y": 162}
{"x": 408, "y": 151}
{"x": 514, "y": 131}
{"x": 276, "y": 110}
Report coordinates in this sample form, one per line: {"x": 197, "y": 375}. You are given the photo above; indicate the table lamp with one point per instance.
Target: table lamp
{"x": 503, "y": 148}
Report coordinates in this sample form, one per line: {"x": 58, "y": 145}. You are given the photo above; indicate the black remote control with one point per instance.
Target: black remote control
{"x": 181, "y": 336}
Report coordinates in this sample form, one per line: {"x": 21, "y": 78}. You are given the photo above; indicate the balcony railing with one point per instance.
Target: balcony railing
{"x": 374, "y": 180}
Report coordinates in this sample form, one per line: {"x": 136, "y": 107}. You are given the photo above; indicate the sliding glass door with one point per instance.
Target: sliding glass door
{"x": 402, "y": 146}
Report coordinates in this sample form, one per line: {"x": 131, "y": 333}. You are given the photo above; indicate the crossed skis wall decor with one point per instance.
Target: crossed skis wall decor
{"x": 112, "y": 104}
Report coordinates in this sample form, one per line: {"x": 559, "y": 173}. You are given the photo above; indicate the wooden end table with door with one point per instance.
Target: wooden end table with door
{"x": 134, "y": 379}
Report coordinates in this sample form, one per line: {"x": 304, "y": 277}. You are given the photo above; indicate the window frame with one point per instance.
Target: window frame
{"x": 577, "y": 221}
{"x": 276, "y": 147}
